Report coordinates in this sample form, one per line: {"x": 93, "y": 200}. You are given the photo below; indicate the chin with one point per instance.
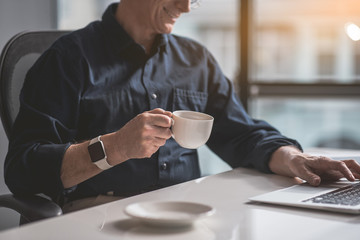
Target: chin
{"x": 164, "y": 28}
{"x": 167, "y": 29}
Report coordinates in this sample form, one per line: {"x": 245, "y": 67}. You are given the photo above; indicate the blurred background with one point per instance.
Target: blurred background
{"x": 296, "y": 64}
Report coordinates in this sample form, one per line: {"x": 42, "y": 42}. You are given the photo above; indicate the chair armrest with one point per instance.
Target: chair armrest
{"x": 31, "y": 208}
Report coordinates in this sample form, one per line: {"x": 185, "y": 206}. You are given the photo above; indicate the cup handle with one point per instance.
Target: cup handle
{"x": 172, "y": 124}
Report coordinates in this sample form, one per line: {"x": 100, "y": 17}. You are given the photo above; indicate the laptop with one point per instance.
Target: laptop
{"x": 341, "y": 196}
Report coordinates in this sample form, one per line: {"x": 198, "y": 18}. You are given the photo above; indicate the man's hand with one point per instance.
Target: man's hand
{"x": 290, "y": 161}
{"x": 143, "y": 135}
{"x": 139, "y": 138}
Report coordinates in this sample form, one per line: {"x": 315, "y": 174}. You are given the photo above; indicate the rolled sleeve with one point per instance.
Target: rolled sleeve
{"x": 35, "y": 169}
{"x": 44, "y": 128}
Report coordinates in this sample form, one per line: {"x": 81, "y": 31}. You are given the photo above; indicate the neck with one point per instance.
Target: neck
{"x": 131, "y": 22}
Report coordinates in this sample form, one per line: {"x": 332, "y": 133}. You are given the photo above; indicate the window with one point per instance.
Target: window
{"x": 325, "y": 122}
{"x": 272, "y": 61}
{"x": 326, "y": 52}
{"x": 305, "y": 70}
{"x": 356, "y": 63}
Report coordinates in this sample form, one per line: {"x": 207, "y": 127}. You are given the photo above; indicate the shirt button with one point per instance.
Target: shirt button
{"x": 163, "y": 166}
{"x": 154, "y": 96}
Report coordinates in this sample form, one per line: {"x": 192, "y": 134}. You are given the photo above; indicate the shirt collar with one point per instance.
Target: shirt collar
{"x": 161, "y": 42}
{"x": 120, "y": 37}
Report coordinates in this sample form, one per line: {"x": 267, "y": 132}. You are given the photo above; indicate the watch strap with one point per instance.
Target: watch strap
{"x": 103, "y": 164}
{"x": 100, "y": 163}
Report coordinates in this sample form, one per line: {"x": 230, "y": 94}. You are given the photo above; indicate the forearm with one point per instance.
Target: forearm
{"x": 77, "y": 165}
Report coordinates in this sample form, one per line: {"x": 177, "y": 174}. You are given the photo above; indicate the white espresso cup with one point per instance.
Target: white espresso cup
{"x": 191, "y": 129}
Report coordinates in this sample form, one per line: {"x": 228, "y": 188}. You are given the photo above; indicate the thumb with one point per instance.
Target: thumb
{"x": 312, "y": 178}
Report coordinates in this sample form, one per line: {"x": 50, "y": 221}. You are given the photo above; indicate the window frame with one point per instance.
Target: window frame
{"x": 249, "y": 88}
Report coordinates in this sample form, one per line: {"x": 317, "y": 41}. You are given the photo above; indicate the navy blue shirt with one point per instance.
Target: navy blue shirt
{"x": 94, "y": 80}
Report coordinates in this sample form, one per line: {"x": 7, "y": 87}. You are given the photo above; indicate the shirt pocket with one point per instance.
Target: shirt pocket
{"x": 189, "y": 100}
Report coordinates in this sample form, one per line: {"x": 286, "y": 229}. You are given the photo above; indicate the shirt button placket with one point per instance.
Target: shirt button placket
{"x": 152, "y": 95}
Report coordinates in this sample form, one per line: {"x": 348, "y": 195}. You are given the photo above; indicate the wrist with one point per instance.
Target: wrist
{"x": 280, "y": 161}
{"x": 114, "y": 151}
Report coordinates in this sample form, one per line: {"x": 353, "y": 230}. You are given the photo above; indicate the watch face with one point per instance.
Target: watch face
{"x": 96, "y": 151}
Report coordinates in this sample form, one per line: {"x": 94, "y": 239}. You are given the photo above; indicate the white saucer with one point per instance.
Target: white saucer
{"x": 168, "y": 213}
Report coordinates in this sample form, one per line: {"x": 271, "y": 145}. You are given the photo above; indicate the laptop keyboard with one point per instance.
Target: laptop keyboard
{"x": 348, "y": 195}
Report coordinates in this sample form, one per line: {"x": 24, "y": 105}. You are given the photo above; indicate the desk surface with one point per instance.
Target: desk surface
{"x": 235, "y": 217}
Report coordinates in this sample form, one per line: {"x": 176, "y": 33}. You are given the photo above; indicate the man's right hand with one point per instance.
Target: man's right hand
{"x": 141, "y": 137}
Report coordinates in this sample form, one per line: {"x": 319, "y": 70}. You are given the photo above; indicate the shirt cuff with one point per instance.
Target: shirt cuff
{"x": 47, "y": 163}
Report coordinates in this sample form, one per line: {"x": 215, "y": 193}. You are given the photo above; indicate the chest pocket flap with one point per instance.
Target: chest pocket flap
{"x": 189, "y": 100}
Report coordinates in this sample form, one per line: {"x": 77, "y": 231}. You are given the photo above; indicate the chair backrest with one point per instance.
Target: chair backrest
{"x": 18, "y": 55}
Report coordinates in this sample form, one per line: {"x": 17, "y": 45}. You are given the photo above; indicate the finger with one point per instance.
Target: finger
{"x": 160, "y": 142}
{"x": 162, "y": 132}
{"x": 311, "y": 178}
{"x": 342, "y": 168}
{"x": 157, "y": 111}
{"x": 161, "y": 111}
{"x": 306, "y": 174}
{"x": 322, "y": 164}
{"x": 161, "y": 120}
{"x": 153, "y": 132}
{"x": 356, "y": 175}
{"x": 352, "y": 164}
{"x": 354, "y": 167}
{"x": 169, "y": 114}
{"x": 331, "y": 175}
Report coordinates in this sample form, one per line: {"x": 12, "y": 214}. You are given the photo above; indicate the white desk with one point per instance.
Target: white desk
{"x": 235, "y": 217}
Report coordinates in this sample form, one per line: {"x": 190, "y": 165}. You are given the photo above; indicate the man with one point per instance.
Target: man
{"x": 96, "y": 111}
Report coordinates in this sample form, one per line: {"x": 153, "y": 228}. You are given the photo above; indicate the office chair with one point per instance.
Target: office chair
{"x": 18, "y": 55}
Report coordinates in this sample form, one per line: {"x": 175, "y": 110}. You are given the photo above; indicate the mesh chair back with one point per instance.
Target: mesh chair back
{"x": 18, "y": 55}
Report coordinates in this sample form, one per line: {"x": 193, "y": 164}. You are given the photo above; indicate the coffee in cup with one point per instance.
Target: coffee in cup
{"x": 191, "y": 129}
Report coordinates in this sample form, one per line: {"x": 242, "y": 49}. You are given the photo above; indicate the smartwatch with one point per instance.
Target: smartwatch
{"x": 97, "y": 153}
